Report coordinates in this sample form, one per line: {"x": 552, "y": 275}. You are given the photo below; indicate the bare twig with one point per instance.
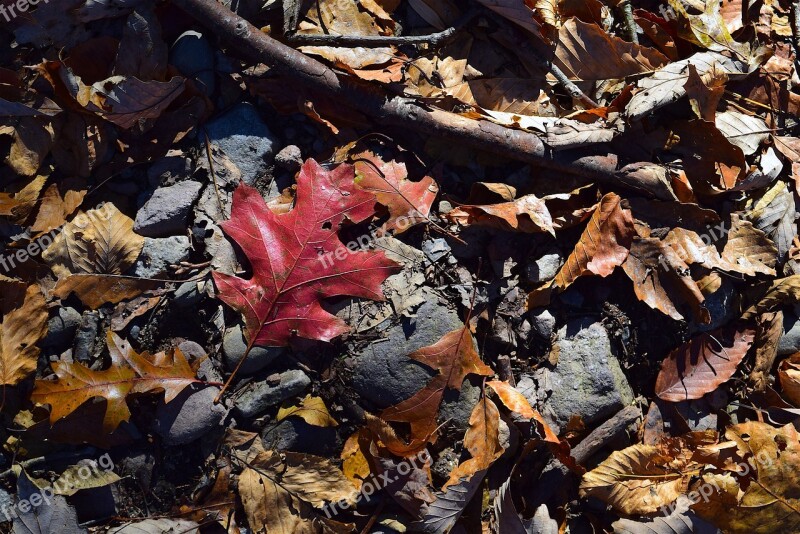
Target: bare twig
{"x": 627, "y": 18}
{"x": 370, "y": 41}
{"x": 795, "y": 22}
{"x": 399, "y": 111}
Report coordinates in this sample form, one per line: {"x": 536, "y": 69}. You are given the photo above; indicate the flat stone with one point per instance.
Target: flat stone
{"x": 386, "y": 361}
{"x": 290, "y": 158}
{"x": 234, "y": 346}
{"x": 542, "y": 322}
{"x": 193, "y": 55}
{"x": 245, "y": 139}
{"x": 587, "y": 380}
{"x": 158, "y": 254}
{"x": 189, "y": 416}
{"x": 257, "y": 397}
{"x": 167, "y": 211}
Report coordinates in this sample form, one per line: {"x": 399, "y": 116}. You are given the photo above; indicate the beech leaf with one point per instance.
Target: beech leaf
{"x": 703, "y": 363}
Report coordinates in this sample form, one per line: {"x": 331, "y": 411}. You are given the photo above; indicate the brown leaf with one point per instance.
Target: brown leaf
{"x": 94, "y": 290}
{"x": 454, "y": 357}
{"x": 704, "y": 95}
{"x": 280, "y": 493}
{"x": 789, "y": 376}
{"x": 100, "y": 241}
{"x": 56, "y": 204}
{"x": 527, "y": 214}
{"x": 482, "y": 441}
{"x": 642, "y": 478}
{"x": 311, "y": 409}
{"x": 585, "y": 52}
{"x": 781, "y": 291}
{"x": 703, "y": 363}
{"x": 604, "y": 244}
{"x": 748, "y": 250}
{"x": 769, "y": 329}
{"x": 18, "y": 205}
{"x": 24, "y": 324}
{"x": 33, "y": 139}
{"x": 129, "y": 373}
{"x": 409, "y": 203}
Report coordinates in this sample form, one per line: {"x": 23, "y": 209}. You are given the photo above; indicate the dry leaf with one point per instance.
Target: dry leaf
{"x": 311, "y": 409}
{"x": 24, "y": 324}
{"x": 482, "y": 441}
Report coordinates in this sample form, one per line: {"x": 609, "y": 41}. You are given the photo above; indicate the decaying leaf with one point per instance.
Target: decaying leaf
{"x": 409, "y": 203}
{"x": 526, "y": 214}
{"x": 282, "y": 493}
{"x": 789, "y": 376}
{"x": 24, "y": 324}
{"x": 482, "y": 440}
{"x": 702, "y": 364}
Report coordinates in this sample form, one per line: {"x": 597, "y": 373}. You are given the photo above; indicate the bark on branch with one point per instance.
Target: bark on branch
{"x": 249, "y": 42}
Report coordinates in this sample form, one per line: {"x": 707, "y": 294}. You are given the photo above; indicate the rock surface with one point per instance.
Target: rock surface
{"x": 189, "y": 416}
{"x": 158, "y": 254}
{"x": 167, "y": 211}
{"x": 294, "y": 434}
{"x": 61, "y": 327}
{"x": 256, "y": 398}
{"x": 245, "y": 139}
{"x": 587, "y": 381}
{"x": 234, "y": 346}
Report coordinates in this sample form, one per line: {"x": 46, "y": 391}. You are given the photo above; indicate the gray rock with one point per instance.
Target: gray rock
{"x": 289, "y": 158}
{"x": 257, "y": 397}
{"x": 187, "y": 295}
{"x": 545, "y": 267}
{"x": 294, "y": 434}
{"x": 167, "y": 210}
{"x": 542, "y": 322}
{"x": 234, "y": 346}
{"x": 208, "y": 233}
{"x": 587, "y": 381}
{"x": 158, "y": 254}
{"x": 189, "y": 416}
{"x": 790, "y": 340}
{"x": 245, "y": 139}
{"x": 168, "y": 169}
{"x": 193, "y": 55}
{"x": 61, "y": 327}
{"x": 436, "y": 248}
{"x": 385, "y": 362}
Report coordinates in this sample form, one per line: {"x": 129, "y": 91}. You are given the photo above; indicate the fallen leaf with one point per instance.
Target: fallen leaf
{"x": 311, "y": 409}
{"x": 282, "y": 493}
{"x": 409, "y": 203}
{"x": 129, "y": 373}
{"x": 703, "y": 363}
{"x": 454, "y": 357}
{"x": 769, "y": 329}
{"x": 526, "y": 214}
{"x": 295, "y": 258}
{"x": 781, "y": 291}
{"x": 789, "y": 377}
{"x": 24, "y": 324}
{"x": 482, "y": 441}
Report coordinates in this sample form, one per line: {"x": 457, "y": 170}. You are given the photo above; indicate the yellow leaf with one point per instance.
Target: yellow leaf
{"x": 24, "y": 324}
{"x": 311, "y": 409}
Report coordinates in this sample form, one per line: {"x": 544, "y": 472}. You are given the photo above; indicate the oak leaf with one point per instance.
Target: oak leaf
{"x": 295, "y": 258}
{"x": 129, "y": 373}
{"x": 703, "y": 363}
{"x": 409, "y": 203}
{"x": 454, "y": 357}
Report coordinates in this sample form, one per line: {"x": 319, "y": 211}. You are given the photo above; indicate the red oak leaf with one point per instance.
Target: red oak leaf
{"x": 298, "y": 259}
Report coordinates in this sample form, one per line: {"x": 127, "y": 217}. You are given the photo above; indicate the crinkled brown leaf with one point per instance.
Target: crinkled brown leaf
{"x": 703, "y": 363}
{"x": 24, "y": 324}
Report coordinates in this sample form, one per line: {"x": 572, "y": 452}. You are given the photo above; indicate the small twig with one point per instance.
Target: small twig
{"x": 214, "y": 177}
{"x": 627, "y": 17}
{"x": 795, "y": 22}
{"x": 371, "y": 41}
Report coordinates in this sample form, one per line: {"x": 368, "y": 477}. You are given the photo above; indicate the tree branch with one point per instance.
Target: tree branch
{"x": 524, "y": 146}
{"x": 370, "y": 41}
